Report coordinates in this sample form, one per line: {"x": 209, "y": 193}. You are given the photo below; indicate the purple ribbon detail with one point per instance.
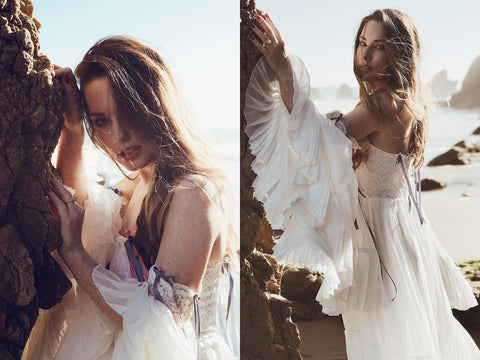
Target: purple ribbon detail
{"x": 416, "y": 197}
{"x": 196, "y": 311}
{"x": 160, "y": 274}
{"x": 137, "y": 265}
{"x": 227, "y": 268}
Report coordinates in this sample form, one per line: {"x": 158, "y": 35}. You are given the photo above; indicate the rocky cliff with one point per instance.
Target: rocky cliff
{"x": 30, "y": 123}
{"x": 266, "y": 328}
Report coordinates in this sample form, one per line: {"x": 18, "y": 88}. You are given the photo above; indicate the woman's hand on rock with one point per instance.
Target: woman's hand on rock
{"x": 271, "y": 45}
{"x": 72, "y": 105}
{"x": 71, "y": 217}
{"x": 269, "y": 42}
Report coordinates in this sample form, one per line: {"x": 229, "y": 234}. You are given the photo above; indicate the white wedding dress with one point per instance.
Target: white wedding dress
{"x": 77, "y": 329}
{"x": 385, "y": 270}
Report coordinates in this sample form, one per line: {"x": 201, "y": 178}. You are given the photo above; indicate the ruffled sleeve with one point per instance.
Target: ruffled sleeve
{"x": 306, "y": 182}
{"x": 149, "y": 329}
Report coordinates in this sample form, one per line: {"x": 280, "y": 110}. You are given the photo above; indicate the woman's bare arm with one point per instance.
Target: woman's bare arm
{"x": 72, "y": 251}
{"x": 192, "y": 229}
{"x": 271, "y": 45}
{"x": 70, "y": 159}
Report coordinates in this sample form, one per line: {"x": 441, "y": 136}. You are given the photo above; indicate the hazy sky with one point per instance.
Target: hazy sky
{"x": 322, "y": 33}
{"x": 198, "y": 39}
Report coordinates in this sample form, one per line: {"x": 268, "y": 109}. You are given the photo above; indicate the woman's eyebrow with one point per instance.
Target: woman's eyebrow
{"x": 376, "y": 40}
{"x": 97, "y": 114}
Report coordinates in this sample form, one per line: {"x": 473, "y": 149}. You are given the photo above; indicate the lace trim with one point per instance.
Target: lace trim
{"x": 177, "y": 297}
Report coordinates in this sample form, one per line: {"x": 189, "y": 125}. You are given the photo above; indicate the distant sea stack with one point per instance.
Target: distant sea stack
{"x": 469, "y": 96}
{"x": 344, "y": 92}
{"x": 441, "y": 86}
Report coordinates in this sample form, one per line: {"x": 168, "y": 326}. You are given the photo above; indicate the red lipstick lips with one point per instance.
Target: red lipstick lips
{"x": 131, "y": 153}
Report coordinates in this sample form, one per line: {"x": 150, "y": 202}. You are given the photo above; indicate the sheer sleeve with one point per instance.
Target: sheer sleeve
{"x": 150, "y": 329}
{"x": 309, "y": 189}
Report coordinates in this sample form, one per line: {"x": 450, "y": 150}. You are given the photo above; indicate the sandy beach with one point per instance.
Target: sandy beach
{"x": 453, "y": 214}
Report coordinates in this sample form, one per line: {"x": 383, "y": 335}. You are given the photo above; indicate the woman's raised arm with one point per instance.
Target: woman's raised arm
{"x": 70, "y": 159}
{"x": 271, "y": 45}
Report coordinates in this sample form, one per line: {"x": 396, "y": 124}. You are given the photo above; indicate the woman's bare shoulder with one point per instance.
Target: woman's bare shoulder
{"x": 361, "y": 122}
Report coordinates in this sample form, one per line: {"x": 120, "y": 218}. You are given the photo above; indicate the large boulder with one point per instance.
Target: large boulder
{"x": 431, "y": 184}
{"x": 463, "y": 152}
{"x": 300, "y": 286}
{"x": 30, "y": 124}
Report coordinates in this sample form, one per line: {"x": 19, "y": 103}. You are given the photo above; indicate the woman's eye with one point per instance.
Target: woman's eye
{"x": 100, "y": 122}
{"x": 380, "y": 47}
{"x": 362, "y": 43}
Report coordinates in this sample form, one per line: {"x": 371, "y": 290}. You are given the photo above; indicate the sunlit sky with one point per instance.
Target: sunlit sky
{"x": 198, "y": 39}
{"x": 322, "y": 33}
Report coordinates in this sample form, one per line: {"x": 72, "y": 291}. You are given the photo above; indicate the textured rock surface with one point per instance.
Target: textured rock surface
{"x": 266, "y": 327}
{"x": 30, "y": 124}
{"x": 469, "y": 95}
{"x": 300, "y": 286}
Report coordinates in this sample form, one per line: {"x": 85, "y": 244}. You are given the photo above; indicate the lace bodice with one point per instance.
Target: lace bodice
{"x": 381, "y": 175}
{"x": 209, "y": 298}
{"x": 179, "y": 298}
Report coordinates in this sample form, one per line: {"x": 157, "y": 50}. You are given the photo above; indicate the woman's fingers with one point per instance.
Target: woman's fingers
{"x": 267, "y": 30}
{"x": 273, "y": 28}
{"x": 57, "y": 202}
{"x": 258, "y": 45}
{"x": 60, "y": 72}
{"x": 60, "y": 191}
{"x": 261, "y": 35}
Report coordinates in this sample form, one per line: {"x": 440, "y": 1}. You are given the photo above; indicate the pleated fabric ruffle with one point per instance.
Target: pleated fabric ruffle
{"x": 308, "y": 187}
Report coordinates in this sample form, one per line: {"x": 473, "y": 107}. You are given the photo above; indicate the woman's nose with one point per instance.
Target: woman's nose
{"x": 122, "y": 133}
{"x": 366, "y": 52}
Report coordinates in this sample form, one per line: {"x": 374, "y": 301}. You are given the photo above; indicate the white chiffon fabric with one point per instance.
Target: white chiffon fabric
{"x": 394, "y": 293}
{"x": 77, "y": 329}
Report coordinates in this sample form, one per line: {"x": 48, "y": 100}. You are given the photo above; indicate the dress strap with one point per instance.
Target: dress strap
{"x": 227, "y": 269}
{"x": 196, "y": 311}
{"x": 383, "y": 268}
{"x": 135, "y": 260}
{"x": 415, "y": 196}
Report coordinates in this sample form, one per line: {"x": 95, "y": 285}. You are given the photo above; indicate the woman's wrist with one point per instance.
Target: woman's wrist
{"x": 75, "y": 129}
{"x": 71, "y": 254}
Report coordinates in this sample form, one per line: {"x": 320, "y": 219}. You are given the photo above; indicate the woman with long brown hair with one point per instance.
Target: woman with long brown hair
{"x": 146, "y": 256}
{"x": 346, "y": 193}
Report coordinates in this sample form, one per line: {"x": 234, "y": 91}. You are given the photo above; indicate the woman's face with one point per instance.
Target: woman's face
{"x": 371, "y": 56}
{"x": 124, "y": 143}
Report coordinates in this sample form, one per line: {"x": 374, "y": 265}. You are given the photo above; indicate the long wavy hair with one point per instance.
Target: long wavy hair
{"x": 146, "y": 96}
{"x": 404, "y": 90}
